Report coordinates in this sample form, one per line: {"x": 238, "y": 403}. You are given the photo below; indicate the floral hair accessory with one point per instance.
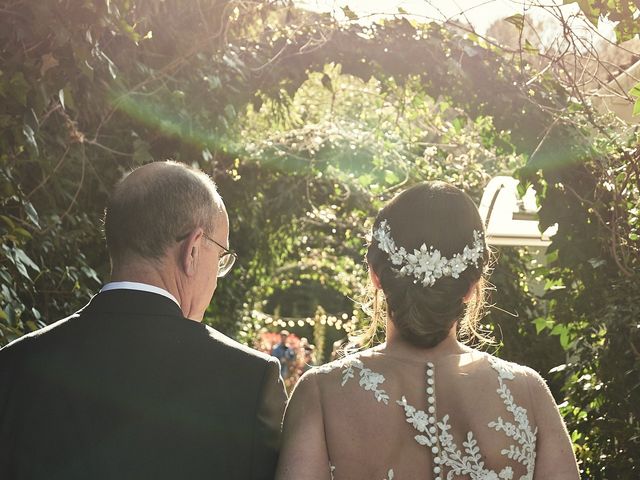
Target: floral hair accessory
{"x": 427, "y": 263}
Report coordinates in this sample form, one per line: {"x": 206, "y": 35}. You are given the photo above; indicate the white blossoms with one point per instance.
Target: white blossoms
{"x": 427, "y": 264}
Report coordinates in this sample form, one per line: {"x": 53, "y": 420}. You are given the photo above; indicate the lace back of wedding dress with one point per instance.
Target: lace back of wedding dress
{"x": 460, "y": 417}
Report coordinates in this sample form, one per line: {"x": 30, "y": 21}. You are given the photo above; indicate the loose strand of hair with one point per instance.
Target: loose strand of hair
{"x": 373, "y": 306}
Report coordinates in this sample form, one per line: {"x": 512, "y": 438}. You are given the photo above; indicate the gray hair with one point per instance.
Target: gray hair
{"x": 156, "y": 204}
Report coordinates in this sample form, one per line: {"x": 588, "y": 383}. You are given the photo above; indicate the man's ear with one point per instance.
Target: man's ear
{"x": 190, "y": 252}
{"x": 374, "y": 278}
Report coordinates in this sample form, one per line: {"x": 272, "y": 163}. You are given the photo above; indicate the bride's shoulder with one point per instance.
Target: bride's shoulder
{"x": 336, "y": 366}
{"x": 314, "y": 381}
{"x": 525, "y": 383}
{"x": 335, "y": 370}
{"x": 514, "y": 372}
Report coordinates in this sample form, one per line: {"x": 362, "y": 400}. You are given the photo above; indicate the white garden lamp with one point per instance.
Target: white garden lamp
{"x": 509, "y": 219}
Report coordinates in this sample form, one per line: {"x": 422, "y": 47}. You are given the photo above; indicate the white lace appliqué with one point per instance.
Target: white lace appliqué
{"x": 524, "y": 452}
{"x": 435, "y": 434}
{"x": 369, "y": 380}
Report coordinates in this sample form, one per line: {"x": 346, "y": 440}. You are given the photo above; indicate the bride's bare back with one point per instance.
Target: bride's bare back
{"x": 368, "y": 416}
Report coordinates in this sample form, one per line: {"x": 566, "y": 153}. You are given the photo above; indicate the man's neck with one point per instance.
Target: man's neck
{"x": 162, "y": 275}
{"x": 150, "y": 274}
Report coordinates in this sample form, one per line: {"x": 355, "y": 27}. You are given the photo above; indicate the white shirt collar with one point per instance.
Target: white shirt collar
{"x": 144, "y": 287}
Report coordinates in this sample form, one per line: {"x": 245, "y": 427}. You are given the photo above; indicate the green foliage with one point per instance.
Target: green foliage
{"x": 635, "y": 93}
{"x": 592, "y": 294}
{"x": 90, "y": 90}
{"x": 623, "y": 12}
{"x": 308, "y": 127}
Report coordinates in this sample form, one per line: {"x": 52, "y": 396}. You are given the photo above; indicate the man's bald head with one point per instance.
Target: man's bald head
{"x": 156, "y": 204}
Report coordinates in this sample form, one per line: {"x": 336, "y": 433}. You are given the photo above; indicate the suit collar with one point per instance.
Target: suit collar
{"x": 145, "y": 287}
{"x": 132, "y": 302}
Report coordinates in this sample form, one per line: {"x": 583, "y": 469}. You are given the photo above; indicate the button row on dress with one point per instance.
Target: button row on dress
{"x": 432, "y": 420}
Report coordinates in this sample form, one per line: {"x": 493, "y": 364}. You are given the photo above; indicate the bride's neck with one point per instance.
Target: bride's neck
{"x": 396, "y": 343}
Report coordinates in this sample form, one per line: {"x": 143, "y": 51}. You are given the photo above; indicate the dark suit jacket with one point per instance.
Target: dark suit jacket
{"x": 127, "y": 388}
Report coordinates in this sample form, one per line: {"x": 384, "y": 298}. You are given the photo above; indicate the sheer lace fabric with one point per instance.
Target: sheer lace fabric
{"x": 461, "y": 416}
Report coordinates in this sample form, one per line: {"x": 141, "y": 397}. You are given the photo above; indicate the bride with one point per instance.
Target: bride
{"x": 423, "y": 404}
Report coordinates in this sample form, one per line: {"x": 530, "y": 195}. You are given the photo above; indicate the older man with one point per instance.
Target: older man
{"x": 133, "y": 386}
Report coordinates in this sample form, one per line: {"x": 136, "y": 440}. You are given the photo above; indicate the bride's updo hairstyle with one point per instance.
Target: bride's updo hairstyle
{"x": 444, "y": 217}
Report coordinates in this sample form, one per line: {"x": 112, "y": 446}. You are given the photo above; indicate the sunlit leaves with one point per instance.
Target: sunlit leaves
{"x": 635, "y": 93}
{"x": 516, "y": 20}
{"x": 623, "y": 12}
{"x": 308, "y": 127}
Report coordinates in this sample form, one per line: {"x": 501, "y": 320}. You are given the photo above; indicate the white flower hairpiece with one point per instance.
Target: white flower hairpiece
{"x": 427, "y": 264}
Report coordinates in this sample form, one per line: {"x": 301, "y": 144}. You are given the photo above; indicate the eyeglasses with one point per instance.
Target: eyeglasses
{"x": 225, "y": 260}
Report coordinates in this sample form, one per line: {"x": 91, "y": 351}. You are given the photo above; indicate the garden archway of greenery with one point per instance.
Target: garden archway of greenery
{"x": 90, "y": 89}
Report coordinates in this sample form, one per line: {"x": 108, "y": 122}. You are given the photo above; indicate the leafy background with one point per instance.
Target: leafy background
{"x": 308, "y": 125}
